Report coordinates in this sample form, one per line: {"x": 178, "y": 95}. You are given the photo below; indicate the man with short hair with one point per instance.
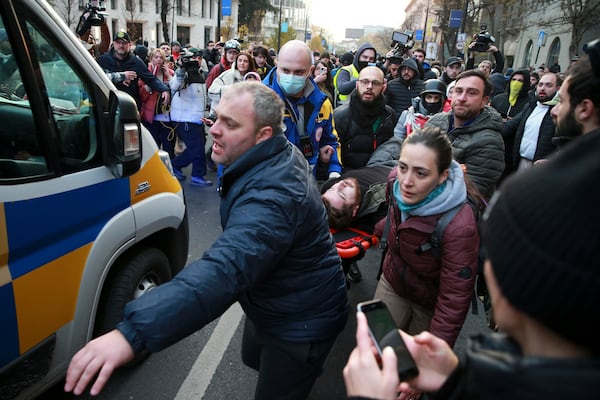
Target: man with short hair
{"x": 124, "y": 69}
{"x": 453, "y": 68}
{"x": 275, "y": 257}
{"x": 528, "y": 136}
{"x": 407, "y": 86}
{"x": 425, "y": 71}
{"x": 474, "y": 130}
{"x": 308, "y": 112}
{"x": 366, "y": 122}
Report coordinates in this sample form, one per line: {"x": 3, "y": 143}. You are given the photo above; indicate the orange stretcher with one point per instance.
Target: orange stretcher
{"x": 352, "y": 243}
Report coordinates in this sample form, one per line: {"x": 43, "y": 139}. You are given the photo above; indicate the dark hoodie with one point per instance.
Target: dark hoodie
{"x": 500, "y": 101}
{"x": 344, "y": 82}
{"x": 400, "y": 93}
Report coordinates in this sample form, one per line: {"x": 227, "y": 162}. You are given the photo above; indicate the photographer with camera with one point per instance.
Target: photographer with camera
{"x": 124, "y": 69}
{"x": 92, "y": 16}
{"x": 483, "y": 42}
{"x": 188, "y": 106}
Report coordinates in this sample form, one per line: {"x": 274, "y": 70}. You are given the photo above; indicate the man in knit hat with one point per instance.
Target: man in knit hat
{"x": 407, "y": 86}
{"x": 543, "y": 273}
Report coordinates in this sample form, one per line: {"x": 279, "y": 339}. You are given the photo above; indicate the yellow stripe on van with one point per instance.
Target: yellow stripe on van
{"x": 4, "y": 271}
{"x": 45, "y": 298}
{"x": 151, "y": 179}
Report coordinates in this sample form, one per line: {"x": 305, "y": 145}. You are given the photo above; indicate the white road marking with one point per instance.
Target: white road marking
{"x": 195, "y": 384}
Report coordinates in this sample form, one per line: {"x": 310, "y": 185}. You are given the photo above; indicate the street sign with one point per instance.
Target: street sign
{"x": 419, "y": 34}
{"x": 455, "y": 19}
{"x": 541, "y": 41}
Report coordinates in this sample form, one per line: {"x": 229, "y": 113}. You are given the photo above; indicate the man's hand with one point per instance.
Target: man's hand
{"x": 362, "y": 374}
{"x": 325, "y": 154}
{"x": 165, "y": 96}
{"x": 129, "y": 76}
{"x": 103, "y": 354}
{"x": 492, "y": 49}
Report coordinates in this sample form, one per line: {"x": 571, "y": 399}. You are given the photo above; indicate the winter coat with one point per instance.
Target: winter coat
{"x": 399, "y": 93}
{"x": 495, "y": 369}
{"x": 150, "y": 97}
{"x": 109, "y": 63}
{"x": 318, "y": 121}
{"x": 275, "y": 257}
{"x": 227, "y": 78}
{"x": 188, "y": 100}
{"x": 443, "y": 285}
{"x": 478, "y": 145}
{"x": 360, "y": 135}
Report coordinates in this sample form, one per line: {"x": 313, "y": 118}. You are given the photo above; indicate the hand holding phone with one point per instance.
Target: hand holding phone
{"x": 383, "y": 332}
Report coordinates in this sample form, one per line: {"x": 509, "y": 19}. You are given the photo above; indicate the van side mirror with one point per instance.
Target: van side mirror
{"x": 124, "y": 155}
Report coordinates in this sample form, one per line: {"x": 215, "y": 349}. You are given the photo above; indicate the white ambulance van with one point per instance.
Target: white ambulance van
{"x": 90, "y": 213}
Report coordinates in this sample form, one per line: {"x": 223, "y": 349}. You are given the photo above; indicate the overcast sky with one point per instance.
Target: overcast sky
{"x": 337, "y": 15}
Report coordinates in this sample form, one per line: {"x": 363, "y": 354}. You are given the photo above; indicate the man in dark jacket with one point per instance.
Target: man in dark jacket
{"x": 407, "y": 86}
{"x": 275, "y": 257}
{"x": 366, "y": 122}
{"x": 474, "y": 130}
{"x": 528, "y": 136}
{"x": 511, "y": 102}
{"x": 124, "y": 69}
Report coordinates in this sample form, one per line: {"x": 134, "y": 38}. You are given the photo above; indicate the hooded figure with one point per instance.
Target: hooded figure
{"x": 404, "y": 88}
{"x": 344, "y": 81}
{"x": 430, "y": 102}
{"x": 516, "y": 95}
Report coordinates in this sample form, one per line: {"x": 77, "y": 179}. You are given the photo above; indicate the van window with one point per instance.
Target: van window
{"x": 24, "y": 151}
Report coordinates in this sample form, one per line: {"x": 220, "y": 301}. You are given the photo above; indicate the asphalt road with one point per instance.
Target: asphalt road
{"x": 207, "y": 365}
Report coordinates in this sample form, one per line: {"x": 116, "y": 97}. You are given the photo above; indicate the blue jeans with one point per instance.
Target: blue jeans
{"x": 194, "y": 139}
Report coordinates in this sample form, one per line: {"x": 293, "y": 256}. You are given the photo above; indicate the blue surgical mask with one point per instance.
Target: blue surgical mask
{"x": 291, "y": 84}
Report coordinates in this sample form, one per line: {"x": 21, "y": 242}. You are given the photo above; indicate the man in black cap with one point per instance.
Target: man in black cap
{"x": 124, "y": 69}
{"x": 453, "y": 68}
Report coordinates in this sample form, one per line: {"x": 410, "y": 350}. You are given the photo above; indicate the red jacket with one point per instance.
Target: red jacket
{"x": 445, "y": 285}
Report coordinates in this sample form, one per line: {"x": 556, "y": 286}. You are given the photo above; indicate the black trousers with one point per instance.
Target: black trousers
{"x": 286, "y": 370}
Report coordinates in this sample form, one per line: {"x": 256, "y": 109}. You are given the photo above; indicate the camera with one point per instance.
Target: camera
{"x": 94, "y": 7}
{"x": 402, "y": 41}
{"x": 483, "y": 40}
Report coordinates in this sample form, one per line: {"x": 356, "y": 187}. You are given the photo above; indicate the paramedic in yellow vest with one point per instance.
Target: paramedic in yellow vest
{"x": 345, "y": 79}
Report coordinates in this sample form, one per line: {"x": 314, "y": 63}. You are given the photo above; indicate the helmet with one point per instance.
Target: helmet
{"x": 434, "y": 86}
{"x": 232, "y": 45}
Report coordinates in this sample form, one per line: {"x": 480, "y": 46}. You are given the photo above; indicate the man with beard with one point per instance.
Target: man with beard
{"x": 578, "y": 109}
{"x": 528, "y": 136}
{"x": 124, "y": 69}
{"x": 345, "y": 79}
{"x": 474, "y": 130}
{"x": 406, "y": 87}
{"x": 366, "y": 122}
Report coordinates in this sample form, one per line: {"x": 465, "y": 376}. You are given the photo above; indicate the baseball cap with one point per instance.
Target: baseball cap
{"x": 453, "y": 60}
{"x": 123, "y": 36}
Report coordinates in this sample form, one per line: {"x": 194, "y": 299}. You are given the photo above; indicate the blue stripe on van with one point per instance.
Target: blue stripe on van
{"x": 43, "y": 229}
{"x": 8, "y": 326}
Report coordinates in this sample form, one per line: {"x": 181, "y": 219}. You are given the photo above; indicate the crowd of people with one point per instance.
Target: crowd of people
{"x": 305, "y": 141}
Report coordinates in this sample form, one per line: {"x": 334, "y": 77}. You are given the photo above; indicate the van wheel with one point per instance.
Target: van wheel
{"x": 137, "y": 274}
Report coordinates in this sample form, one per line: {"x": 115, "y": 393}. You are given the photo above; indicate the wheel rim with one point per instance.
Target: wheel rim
{"x": 146, "y": 284}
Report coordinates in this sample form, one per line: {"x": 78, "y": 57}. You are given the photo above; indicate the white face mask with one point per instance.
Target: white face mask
{"x": 291, "y": 84}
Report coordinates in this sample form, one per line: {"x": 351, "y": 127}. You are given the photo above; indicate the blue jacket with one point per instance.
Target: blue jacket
{"x": 275, "y": 256}
{"x": 320, "y": 120}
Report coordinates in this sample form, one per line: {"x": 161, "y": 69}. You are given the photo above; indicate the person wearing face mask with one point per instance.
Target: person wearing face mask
{"x": 308, "y": 116}
{"x": 345, "y": 79}
{"x": 510, "y": 103}
{"x": 430, "y": 102}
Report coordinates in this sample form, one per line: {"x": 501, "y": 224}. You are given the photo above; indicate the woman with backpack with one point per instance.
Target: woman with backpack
{"x": 428, "y": 277}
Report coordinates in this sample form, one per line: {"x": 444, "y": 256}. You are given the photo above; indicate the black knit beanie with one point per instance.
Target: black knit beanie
{"x": 542, "y": 235}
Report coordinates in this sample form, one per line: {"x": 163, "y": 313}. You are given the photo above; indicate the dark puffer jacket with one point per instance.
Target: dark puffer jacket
{"x": 360, "y": 133}
{"x": 500, "y": 101}
{"x": 478, "y": 145}
{"x": 400, "y": 93}
{"x": 275, "y": 256}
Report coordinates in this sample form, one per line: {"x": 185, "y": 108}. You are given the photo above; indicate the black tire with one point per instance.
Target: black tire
{"x": 135, "y": 275}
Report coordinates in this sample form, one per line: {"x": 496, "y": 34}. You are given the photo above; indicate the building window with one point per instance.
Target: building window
{"x": 203, "y": 9}
{"x": 554, "y": 53}
{"x": 179, "y": 7}
{"x": 113, "y": 4}
{"x": 527, "y": 54}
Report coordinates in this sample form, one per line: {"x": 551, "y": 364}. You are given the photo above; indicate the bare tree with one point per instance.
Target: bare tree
{"x": 165, "y": 7}
{"x": 68, "y": 10}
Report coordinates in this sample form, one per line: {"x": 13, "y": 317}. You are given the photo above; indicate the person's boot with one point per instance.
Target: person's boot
{"x": 354, "y": 273}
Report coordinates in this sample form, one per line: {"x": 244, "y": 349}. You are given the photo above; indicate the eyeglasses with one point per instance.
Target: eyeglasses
{"x": 366, "y": 82}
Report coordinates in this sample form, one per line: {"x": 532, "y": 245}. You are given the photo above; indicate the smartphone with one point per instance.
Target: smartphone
{"x": 384, "y": 333}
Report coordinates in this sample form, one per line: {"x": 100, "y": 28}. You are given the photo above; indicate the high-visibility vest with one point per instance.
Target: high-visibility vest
{"x": 343, "y": 98}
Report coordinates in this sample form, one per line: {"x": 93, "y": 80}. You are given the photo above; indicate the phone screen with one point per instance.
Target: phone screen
{"x": 384, "y": 333}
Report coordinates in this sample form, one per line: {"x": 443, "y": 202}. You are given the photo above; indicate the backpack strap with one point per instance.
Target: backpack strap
{"x": 435, "y": 240}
